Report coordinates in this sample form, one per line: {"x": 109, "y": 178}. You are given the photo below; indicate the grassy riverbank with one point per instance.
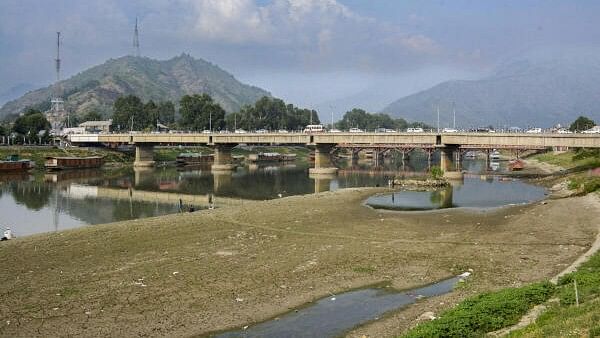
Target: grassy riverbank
{"x": 564, "y": 317}
{"x": 39, "y": 154}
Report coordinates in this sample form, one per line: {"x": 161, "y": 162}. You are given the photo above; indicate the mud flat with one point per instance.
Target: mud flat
{"x": 191, "y": 274}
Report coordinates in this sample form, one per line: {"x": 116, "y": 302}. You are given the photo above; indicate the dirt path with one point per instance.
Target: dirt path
{"x": 190, "y": 274}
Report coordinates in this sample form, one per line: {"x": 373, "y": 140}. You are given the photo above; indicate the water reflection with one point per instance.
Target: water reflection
{"x": 475, "y": 191}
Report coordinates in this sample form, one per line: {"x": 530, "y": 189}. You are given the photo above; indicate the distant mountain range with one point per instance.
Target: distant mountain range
{"x": 522, "y": 93}
{"x": 15, "y": 91}
{"x": 97, "y": 88}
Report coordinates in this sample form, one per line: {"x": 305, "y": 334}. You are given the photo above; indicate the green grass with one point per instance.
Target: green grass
{"x": 575, "y": 159}
{"x": 487, "y": 312}
{"x": 564, "y": 318}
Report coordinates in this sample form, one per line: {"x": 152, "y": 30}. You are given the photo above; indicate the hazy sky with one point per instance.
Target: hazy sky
{"x": 312, "y": 52}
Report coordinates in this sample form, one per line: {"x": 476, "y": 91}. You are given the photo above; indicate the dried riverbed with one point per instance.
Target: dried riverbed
{"x": 196, "y": 273}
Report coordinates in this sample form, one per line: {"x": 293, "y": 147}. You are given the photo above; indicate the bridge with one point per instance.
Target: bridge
{"x": 448, "y": 143}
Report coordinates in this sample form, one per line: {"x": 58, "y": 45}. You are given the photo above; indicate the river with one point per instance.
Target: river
{"x": 45, "y": 202}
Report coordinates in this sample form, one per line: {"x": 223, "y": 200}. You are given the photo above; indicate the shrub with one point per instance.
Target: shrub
{"x": 484, "y": 313}
{"x": 436, "y": 172}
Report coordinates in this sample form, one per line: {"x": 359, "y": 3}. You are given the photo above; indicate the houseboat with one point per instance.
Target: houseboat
{"x": 60, "y": 163}
{"x": 12, "y": 163}
{"x": 184, "y": 159}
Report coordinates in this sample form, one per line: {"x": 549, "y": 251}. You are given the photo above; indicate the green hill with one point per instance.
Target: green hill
{"x": 97, "y": 88}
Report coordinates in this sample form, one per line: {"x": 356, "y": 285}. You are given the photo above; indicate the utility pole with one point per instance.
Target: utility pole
{"x": 234, "y": 122}
{"x": 210, "y": 121}
{"x": 453, "y": 115}
{"x": 438, "y": 118}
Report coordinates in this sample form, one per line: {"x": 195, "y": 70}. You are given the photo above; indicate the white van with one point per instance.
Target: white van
{"x": 414, "y": 130}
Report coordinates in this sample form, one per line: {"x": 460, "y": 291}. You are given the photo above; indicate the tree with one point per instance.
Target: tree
{"x": 151, "y": 113}
{"x": 31, "y": 123}
{"x": 358, "y": 118}
{"x": 200, "y": 112}
{"x": 92, "y": 116}
{"x": 271, "y": 113}
{"x": 582, "y": 123}
{"x": 128, "y": 113}
{"x": 166, "y": 112}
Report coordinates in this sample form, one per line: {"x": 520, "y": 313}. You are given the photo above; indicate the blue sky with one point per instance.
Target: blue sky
{"x": 311, "y": 52}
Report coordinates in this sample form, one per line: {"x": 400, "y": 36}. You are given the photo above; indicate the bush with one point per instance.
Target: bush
{"x": 484, "y": 313}
{"x": 436, "y": 172}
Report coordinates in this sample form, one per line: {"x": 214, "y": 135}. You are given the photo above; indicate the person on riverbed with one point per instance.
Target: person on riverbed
{"x": 7, "y": 235}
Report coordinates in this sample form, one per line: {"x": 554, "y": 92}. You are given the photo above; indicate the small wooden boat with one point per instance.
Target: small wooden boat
{"x": 14, "y": 164}
{"x": 184, "y": 159}
{"x": 60, "y": 163}
{"x": 516, "y": 165}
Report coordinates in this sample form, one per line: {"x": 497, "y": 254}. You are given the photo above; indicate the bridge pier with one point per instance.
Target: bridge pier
{"x": 144, "y": 155}
{"x": 447, "y": 163}
{"x": 323, "y": 164}
{"x": 223, "y": 160}
{"x": 322, "y": 181}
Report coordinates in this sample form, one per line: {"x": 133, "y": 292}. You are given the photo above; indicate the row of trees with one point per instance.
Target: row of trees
{"x": 200, "y": 112}
{"x": 358, "y": 118}
{"x": 130, "y": 113}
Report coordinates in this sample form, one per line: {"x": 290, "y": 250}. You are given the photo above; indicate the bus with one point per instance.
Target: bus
{"x": 314, "y": 128}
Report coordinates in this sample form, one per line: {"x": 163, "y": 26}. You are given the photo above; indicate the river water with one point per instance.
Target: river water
{"x": 45, "y": 202}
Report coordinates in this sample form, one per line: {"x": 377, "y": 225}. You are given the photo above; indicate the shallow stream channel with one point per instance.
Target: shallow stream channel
{"x": 335, "y": 315}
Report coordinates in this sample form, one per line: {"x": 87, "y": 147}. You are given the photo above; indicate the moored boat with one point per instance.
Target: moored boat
{"x": 14, "y": 164}
{"x": 60, "y": 163}
{"x": 516, "y": 165}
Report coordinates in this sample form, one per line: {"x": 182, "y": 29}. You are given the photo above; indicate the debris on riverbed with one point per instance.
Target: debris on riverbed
{"x": 421, "y": 184}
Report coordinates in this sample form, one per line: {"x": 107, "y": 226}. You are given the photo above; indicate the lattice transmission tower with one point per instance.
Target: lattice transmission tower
{"x": 136, "y": 39}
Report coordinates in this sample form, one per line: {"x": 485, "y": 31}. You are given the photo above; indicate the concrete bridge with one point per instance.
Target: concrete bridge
{"x": 448, "y": 143}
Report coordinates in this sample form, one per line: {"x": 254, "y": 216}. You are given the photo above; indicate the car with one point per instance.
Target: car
{"x": 283, "y": 131}
{"x": 593, "y": 130}
{"x": 414, "y": 130}
{"x": 390, "y": 131}
{"x": 206, "y": 131}
{"x": 334, "y": 130}
{"x": 564, "y": 131}
{"x": 534, "y": 131}
{"x": 262, "y": 131}
{"x": 449, "y": 130}
{"x": 240, "y": 131}
{"x": 356, "y": 130}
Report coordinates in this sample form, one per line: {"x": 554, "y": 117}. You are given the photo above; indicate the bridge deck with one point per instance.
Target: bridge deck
{"x": 497, "y": 140}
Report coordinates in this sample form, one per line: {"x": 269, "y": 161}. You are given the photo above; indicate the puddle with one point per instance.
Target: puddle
{"x": 335, "y": 315}
{"x": 473, "y": 192}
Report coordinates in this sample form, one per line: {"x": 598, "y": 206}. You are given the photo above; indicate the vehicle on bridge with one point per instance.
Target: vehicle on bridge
{"x": 449, "y": 130}
{"x": 415, "y": 130}
{"x": 314, "y": 128}
{"x": 593, "y": 130}
{"x": 240, "y": 131}
{"x": 355, "y": 130}
{"x": 534, "y": 131}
